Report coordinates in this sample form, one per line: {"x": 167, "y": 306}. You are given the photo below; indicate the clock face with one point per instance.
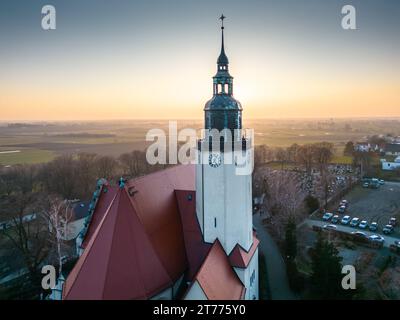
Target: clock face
{"x": 214, "y": 160}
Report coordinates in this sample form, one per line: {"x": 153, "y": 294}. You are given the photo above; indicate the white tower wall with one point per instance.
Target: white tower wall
{"x": 224, "y": 203}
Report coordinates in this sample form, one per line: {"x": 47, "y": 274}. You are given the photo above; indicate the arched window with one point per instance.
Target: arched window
{"x": 226, "y": 88}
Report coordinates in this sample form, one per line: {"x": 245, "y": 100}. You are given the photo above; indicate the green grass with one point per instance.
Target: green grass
{"x": 278, "y": 166}
{"x": 342, "y": 159}
{"x": 26, "y": 156}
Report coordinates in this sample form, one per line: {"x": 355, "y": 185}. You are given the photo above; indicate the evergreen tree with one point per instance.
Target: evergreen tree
{"x": 349, "y": 149}
{"x": 296, "y": 280}
{"x": 326, "y": 278}
{"x": 290, "y": 239}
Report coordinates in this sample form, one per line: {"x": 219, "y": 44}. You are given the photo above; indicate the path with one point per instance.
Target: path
{"x": 276, "y": 270}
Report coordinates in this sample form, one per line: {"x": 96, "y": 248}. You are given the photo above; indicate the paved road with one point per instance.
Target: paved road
{"x": 388, "y": 239}
{"x": 276, "y": 269}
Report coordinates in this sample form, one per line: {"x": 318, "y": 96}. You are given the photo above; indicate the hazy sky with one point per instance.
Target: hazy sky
{"x": 155, "y": 59}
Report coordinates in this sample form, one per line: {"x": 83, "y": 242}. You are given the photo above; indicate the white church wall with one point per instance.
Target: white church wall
{"x": 227, "y": 204}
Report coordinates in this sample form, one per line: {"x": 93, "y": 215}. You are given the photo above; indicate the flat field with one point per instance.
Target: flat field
{"x": 41, "y": 142}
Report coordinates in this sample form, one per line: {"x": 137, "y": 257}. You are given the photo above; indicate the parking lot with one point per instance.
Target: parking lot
{"x": 374, "y": 205}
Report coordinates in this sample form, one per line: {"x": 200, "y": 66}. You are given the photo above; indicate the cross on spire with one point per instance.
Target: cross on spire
{"x": 222, "y": 17}
{"x": 222, "y": 59}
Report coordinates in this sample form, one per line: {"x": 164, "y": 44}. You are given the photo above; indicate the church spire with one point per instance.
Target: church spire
{"x": 222, "y": 59}
{"x": 223, "y": 111}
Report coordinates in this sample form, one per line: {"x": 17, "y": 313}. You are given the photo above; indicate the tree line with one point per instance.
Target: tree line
{"x": 317, "y": 154}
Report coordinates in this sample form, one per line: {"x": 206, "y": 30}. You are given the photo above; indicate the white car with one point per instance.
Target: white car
{"x": 354, "y": 222}
{"x": 327, "y": 216}
{"x": 376, "y": 238}
{"x": 360, "y": 234}
{"x": 344, "y": 203}
{"x": 329, "y": 227}
{"x": 363, "y": 224}
{"x": 346, "y": 220}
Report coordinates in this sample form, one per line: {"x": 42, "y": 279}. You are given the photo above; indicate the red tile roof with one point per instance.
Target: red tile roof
{"x": 119, "y": 261}
{"x": 144, "y": 236}
{"x": 106, "y": 196}
{"x": 134, "y": 247}
{"x": 216, "y": 277}
{"x": 196, "y": 248}
{"x": 241, "y": 258}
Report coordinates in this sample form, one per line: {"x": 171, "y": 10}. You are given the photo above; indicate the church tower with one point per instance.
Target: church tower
{"x": 223, "y": 175}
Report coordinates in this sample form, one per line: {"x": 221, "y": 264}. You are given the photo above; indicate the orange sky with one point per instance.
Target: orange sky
{"x": 130, "y": 67}
{"x": 182, "y": 94}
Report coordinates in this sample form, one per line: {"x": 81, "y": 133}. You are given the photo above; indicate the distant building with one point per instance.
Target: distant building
{"x": 75, "y": 225}
{"x": 387, "y": 165}
{"x": 392, "y": 149}
{"x": 368, "y": 147}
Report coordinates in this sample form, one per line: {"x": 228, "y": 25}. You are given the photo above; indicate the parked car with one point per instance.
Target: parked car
{"x": 329, "y": 227}
{"x": 360, "y": 234}
{"x": 344, "y": 203}
{"x": 341, "y": 209}
{"x": 376, "y": 238}
{"x": 388, "y": 229}
{"x": 327, "y": 216}
{"x": 354, "y": 222}
{"x": 365, "y": 185}
{"x": 374, "y": 183}
{"x": 335, "y": 219}
{"x": 373, "y": 226}
{"x": 363, "y": 224}
{"x": 345, "y": 220}
{"x": 397, "y": 243}
{"x": 393, "y": 221}
{"x": 381, "y": 182}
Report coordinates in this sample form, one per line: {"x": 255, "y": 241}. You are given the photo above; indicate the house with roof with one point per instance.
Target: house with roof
{"x": 392, "y": 149}
{"x": 76, "y": 219}
{"x": 391, "y": 165}
{"x": 181, "y": 233}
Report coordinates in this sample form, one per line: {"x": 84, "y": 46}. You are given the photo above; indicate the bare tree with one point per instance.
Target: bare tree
{"x": 59, "y": 176}
{"x": 305, "y": 156}
{"x": 21, "y": 178}
{"x": 28, "y": 231}
{"x": 322, "y": 154}
{"x": 259, "y": 156}
{"x": 292, "y": 152}
{"x": 106, "y": 167}
{"x": 283, "y": 199}
{"x": 326, "y": 180}
{"x": 281, "y": 156}
{"x": 86, "y": 177}
{"x": 134, "y": 163}
{"x": 59, "y": 215}
{"x": 363, "y": 161}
